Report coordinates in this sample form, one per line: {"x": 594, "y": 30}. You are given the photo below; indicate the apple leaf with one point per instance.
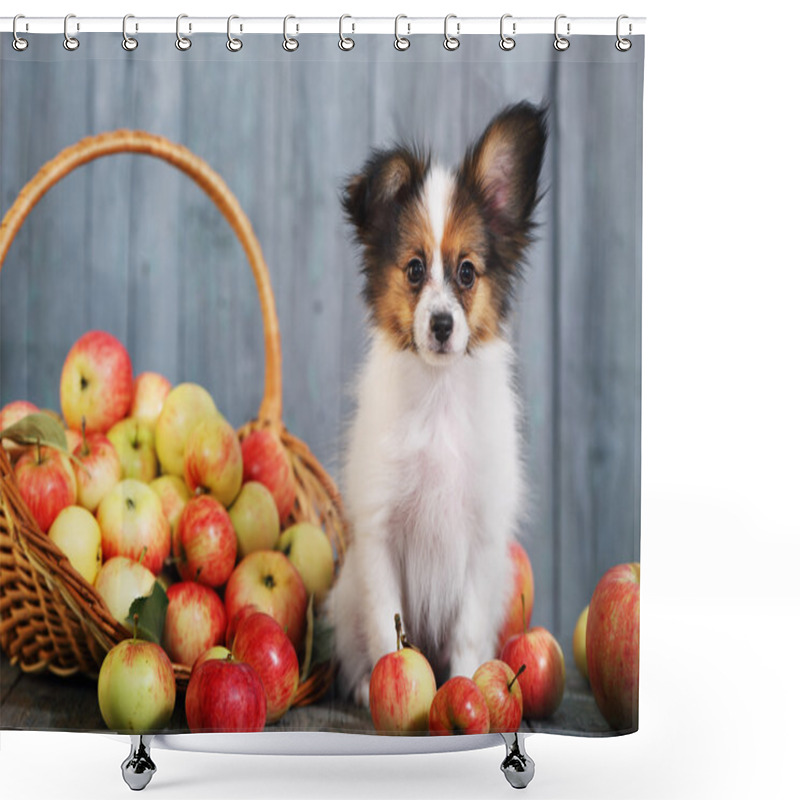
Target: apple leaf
{"x": 319, "y": 641}
{"x": 41, "y": 428}
{"x": 151, "y": 611}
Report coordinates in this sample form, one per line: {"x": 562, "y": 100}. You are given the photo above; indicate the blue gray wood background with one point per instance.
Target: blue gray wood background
{"x": 131, "y": 246}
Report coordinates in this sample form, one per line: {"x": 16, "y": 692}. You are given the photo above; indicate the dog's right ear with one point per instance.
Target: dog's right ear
{"x": 373, "y": 196}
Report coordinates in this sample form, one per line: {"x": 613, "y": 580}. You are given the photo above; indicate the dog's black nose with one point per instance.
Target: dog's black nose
{"x": 442, "y": 326}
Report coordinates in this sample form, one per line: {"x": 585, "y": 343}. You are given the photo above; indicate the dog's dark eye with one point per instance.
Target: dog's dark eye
{"x": 415, "y": 271}
{"x": 466, "y": 274}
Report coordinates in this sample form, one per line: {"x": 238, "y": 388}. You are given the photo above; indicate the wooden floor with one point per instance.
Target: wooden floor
{"x": 47, "y": 702}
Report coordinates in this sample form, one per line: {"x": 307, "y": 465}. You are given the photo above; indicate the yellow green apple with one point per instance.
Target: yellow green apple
{"x": 310, "y": 551}
{"x": 212, "y": 459}
{"x": 255, "y": 519}
{"x": 77, "y": 534}
{"x": 185, "y": 406}
{"x": 174, "y": 496}
{"x": 134, "y": 442}
{"x": 119, "y": 582}
{"x": 579, "y": 643}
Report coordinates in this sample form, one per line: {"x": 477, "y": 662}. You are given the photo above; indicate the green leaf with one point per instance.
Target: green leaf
{"x": 319, "y": 641}
{"x": 151, "y": 611}
{"x": 41, "y": 428}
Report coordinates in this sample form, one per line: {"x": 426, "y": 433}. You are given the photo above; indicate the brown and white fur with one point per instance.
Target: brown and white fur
{"x": 433, "y": 479}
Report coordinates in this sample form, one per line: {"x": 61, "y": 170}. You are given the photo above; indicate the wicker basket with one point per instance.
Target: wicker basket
{"x": 50, "y": 617}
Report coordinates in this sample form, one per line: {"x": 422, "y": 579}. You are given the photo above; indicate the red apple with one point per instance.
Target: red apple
{"x": 267, "y": 579}
{"x": 520, "y": 600}
{"x": 46, "y": 483}
{"x": 261, "y": 642}
{"x": 458, "y": 707}
{"x": 579, "y": 643}
{"x": 96, "y": 382}
{"x": 236, "y": 619}
{"x": 102, "y": 470}
{"x": 212, "y": 460}
{"x": 135, "y": 445}
{"x": 543, "y": 680}
{"x": 266, "y": 461}
{"x": 133, "y": 525}
{"x": 119, "y": 582}
{"x": 401, "y": 689}
{"x": 150, "y": 390}
{"x": 225, "y": 696}
{"x": 136, "y": 687}
{"x": 10, "y": 413}
{"x": 612, "y": 646}
{"x": 185, "y": 406}
{"x": 195, "y": 621}
{"x": 501, "y": 691}
{"x": 204, "y": 542}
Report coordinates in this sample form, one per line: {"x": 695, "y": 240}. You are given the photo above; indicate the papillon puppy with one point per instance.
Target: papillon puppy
{"x": 432, "y": 477}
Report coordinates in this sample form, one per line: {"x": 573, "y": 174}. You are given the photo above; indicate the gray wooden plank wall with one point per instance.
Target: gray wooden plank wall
{"x": 129, "y": 245}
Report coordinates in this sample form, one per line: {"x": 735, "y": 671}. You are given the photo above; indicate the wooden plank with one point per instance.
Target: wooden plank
{"x": 598, "y": 269}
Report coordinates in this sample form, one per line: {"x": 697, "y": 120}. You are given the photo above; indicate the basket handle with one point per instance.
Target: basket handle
{"x": 129, "y": 141}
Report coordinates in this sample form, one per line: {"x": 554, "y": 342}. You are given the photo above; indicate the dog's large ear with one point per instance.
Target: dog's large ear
{"x": 504, "y": 164}
{"x": 371, "y": 198}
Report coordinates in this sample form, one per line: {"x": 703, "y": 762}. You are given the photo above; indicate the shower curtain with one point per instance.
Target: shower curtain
{"x": 125, "y": 247}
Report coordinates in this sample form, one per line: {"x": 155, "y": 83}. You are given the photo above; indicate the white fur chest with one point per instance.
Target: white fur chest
{"x": 432, "y": 461}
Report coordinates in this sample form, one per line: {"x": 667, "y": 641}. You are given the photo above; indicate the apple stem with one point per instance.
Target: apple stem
{"x": 197, "y": 574}
{"x": 522, "y": 600}
{"x": 135, "y": 625}
{"x": 519, "y": 672}
{"x": 398, "y": 626}
{"x": 143, "y": 554}
{"x": 229, "y": 657}
{"x": 38, "y": 451}
{"x": 85, "y": 448}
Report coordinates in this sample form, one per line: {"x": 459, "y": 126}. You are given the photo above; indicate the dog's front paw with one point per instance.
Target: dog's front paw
{"x": 361, "y": 693}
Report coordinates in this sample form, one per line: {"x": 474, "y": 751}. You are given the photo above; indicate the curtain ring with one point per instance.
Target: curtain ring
{"x": 561, "y": 43}
{"x": 128, "y": 42}
{"x": 233, "y": 44}
{"x": 289, "y": 44}
{"x": 345, "y": 42}
{"x": 182, "y": 42}
{"x": 507, "y": 42}
{"x": 70, "y": 42}
{"x": 623, "y": 45}
{"x": 451, "y": 42}
{"x": 400, "y": 42}
{"x": 19, "y": 44}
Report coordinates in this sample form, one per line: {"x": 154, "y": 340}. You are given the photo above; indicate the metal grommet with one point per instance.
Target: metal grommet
{"x": 400, "y": 42}
{"x": 233, "y": 44}
{"x": 345, "y": 42}
{"x": 182, "y": 42}
{"x": 289, "y": 44}
{"x": 507, "y": 42}
{"x": 19, "y": 44}
{"x": 451, "y": 42}
{"x": 70, "y": 42}
{"x": 128, "y": 42}
{"x": 561, "y": 43}
{"x": 623, "y": 45}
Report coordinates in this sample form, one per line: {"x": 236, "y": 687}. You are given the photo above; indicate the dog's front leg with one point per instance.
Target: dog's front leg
{"x": 480, "y": 615}
{"x": 381, "y": 599}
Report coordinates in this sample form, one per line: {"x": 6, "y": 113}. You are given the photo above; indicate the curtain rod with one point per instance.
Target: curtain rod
{"x": 349, "y": 25}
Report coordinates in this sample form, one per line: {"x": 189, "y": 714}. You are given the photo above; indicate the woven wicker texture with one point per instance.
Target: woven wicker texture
{"x": 50, "y": 617}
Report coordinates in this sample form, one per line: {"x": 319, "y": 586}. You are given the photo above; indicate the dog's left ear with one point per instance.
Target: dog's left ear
{"x": 504, "y": 164}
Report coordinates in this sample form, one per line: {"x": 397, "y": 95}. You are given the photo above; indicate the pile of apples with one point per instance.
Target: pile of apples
{"x": 527, "y": 679}
{"x": 155, "y": 485}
